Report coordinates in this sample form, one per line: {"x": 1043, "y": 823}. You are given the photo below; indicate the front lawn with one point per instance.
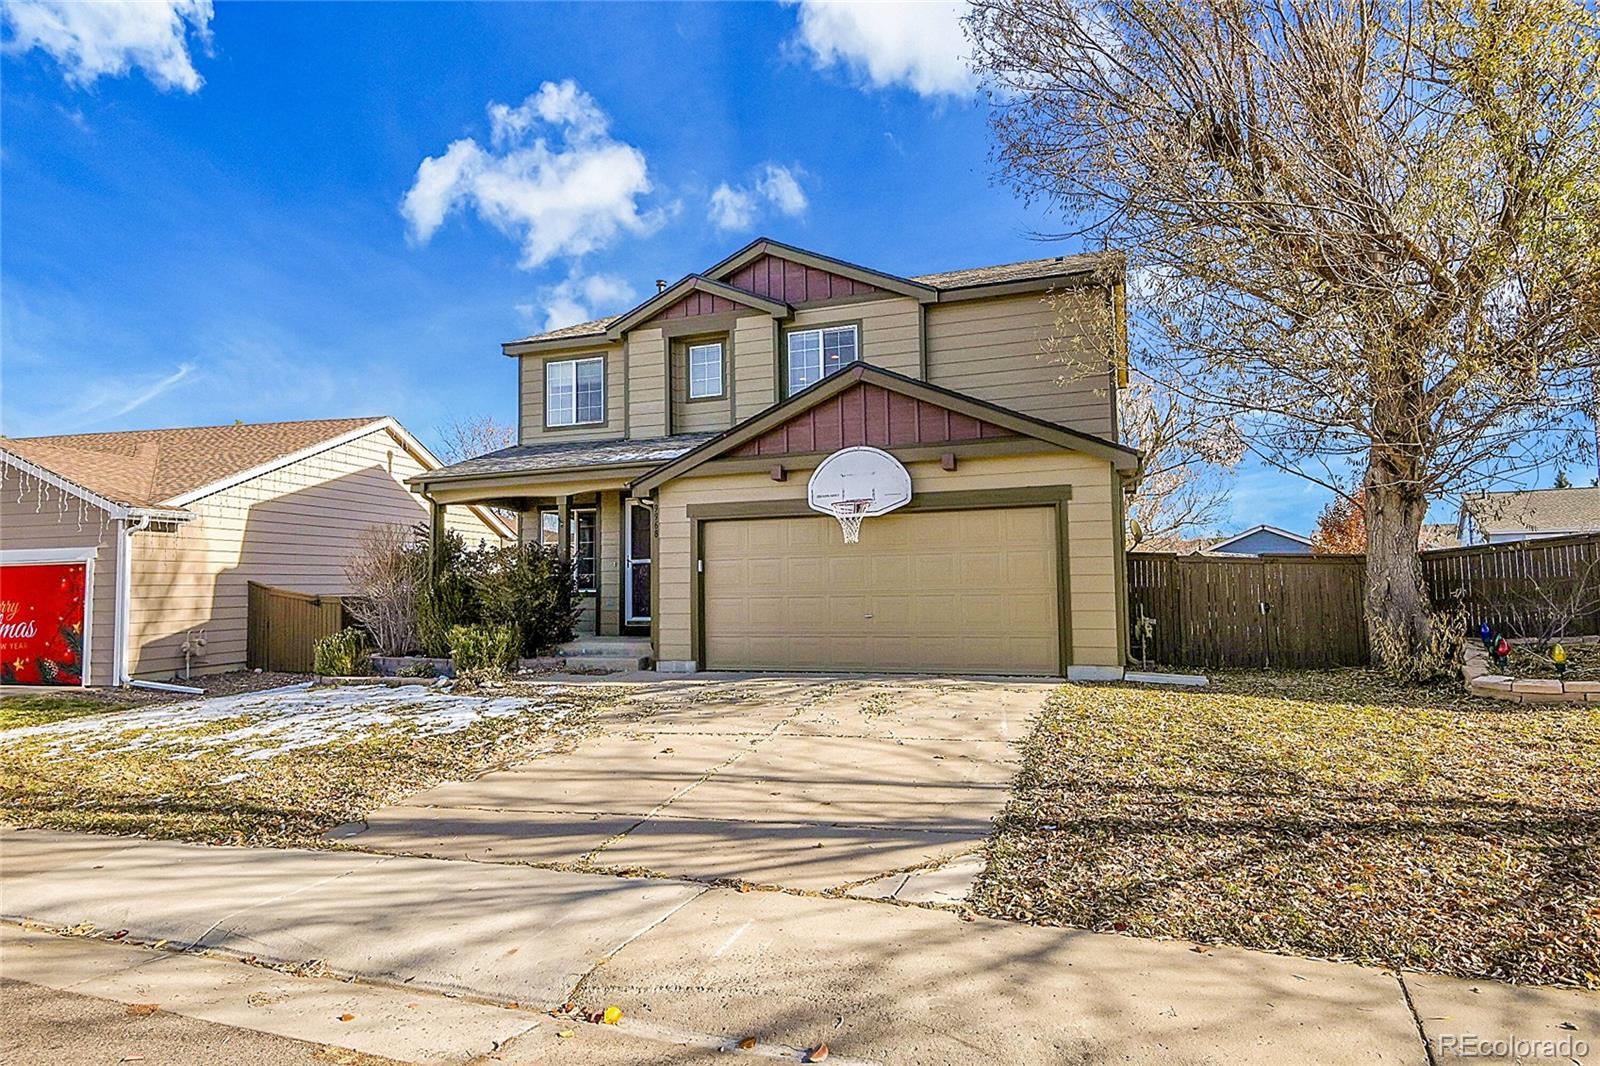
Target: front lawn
{"x": 1323, "y": 813}
{"x": 37, "y": 708}
{"x": 279, "y": 767}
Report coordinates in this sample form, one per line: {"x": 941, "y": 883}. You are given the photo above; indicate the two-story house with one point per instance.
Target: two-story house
{"x": 668, "y": 449}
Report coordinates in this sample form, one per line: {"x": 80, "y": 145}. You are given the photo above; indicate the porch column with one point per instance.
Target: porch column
{"x": 435, "y": 537}
{"x": 563, "y": 533}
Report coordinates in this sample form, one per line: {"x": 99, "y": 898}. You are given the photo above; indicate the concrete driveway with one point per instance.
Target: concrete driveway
{"x": 882, "y": 787}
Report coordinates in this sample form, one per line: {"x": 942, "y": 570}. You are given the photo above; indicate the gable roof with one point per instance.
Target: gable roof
{"x": 1122, "y": 457}
{"x": 1575, "y": 510}
{"x": 1222, "y": 545}
{"x": 166, "y": 469}
{"x": 150, "y": 467}
{"x": 691, "y": 283}
{"x": 767, "y": 246}
{"x": 925, "y": 288}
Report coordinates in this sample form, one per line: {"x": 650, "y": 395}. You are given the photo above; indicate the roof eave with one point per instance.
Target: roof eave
{"x": 422, "y": 482}
{"x": 990, "y": 289}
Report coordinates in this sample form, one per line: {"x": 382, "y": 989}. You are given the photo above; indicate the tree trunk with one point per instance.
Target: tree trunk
{"x": 1396, "y": 603}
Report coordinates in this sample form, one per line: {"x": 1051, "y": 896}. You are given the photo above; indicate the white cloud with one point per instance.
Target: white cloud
{"x": 781, "y": 187}
{"x": 553, "y": 178}
{"x": 112, "y": 37}
{"x": 736, "y": 207}
{"x": 916, "y": 44}
{"x": 732, "y": 208}
{"x": 582, "y": 297}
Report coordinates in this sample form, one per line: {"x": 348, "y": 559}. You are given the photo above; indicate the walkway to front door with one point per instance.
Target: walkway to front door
{"x": 803, "y": 783}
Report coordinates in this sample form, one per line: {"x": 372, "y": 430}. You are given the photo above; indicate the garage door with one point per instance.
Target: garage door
{"x": 924, "y": 591}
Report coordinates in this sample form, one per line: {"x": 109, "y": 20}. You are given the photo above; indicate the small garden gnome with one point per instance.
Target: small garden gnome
{"x": 1558, "y": 655}
{"x": 1502, "y": 652}
{"x": 1486, "y": 635}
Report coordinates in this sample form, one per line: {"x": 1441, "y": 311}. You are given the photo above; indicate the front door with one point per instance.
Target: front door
{"x": 636, "y": 587}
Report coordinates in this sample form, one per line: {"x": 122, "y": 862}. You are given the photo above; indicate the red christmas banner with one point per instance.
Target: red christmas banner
{"x": 41, "y": 624}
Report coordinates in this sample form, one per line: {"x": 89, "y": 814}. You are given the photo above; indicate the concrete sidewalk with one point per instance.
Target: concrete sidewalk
{"x": 697, "y": 968}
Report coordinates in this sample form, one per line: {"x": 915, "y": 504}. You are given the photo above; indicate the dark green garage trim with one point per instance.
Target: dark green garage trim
{"x": 1057, "y": 496}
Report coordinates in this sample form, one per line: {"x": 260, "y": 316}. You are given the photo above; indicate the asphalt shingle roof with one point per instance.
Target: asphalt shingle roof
{"x": 147, "y": 467}
{"x": 1027, "y": 270}
{"x": 566, "y": 455}
{"x": 1536, "y": 510}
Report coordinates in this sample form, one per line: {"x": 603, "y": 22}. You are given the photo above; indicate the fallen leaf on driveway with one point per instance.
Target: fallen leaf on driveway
{"x": 119, "y": 934}
{"x": 612, "y": 1015}
{"x": 347, "y": 1017}
{"x": 131, "y": 1058}
{"x": 748, "y": 1042}
{"x": 817, "y": 1054}
{"x": 142, "y": 1010}
{"x": 566, "y": 1034}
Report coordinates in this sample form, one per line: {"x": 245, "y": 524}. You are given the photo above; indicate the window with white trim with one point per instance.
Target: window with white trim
{"x": 705, "y": 370}
{"x": 575, "y": 392}
{"x": 816, "y": 353}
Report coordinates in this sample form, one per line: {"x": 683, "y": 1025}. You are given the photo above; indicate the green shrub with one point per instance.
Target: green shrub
{"x": 342, "y": 654}
{"x": 450, "y": 599}
{"x": 481, "y": 652}
{"x": 531, "y": 588}
{"x": 418, "y": 670}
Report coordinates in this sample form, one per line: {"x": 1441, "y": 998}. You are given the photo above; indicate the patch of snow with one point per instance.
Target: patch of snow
{"x": 281, "y": 720}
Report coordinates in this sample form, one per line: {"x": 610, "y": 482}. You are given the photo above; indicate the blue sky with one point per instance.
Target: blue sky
{"x": 278, "y": 211}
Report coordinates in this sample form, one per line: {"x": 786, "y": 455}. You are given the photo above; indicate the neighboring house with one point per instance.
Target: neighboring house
{"x": 158, "y": 532}
{"x": 1436, "y": 536}
{"x": 669, "y": 448}
{"x": 1262, "y": 540}
{"x": 1176, "y": 545}
{"x": 1497, "y": 517}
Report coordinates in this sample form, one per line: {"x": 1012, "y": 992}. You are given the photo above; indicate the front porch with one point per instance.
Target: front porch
{"x": 574, "y": 497}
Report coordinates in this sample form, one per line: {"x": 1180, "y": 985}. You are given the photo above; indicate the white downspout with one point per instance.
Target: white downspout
{"x": 119, "y": 656}
{"x": 124, "y": 596}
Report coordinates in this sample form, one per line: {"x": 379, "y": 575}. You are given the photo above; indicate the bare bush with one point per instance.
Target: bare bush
{"x": 385, "y": 576}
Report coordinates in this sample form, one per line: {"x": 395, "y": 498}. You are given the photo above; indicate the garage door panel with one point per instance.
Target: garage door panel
{"x": 945, "y": 591}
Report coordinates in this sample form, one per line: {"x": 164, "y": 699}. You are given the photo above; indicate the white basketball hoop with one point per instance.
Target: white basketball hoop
{"x": 858, "y": 483}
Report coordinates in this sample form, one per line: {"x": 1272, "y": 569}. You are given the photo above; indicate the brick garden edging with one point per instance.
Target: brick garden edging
{"x": 1477, "y": 668}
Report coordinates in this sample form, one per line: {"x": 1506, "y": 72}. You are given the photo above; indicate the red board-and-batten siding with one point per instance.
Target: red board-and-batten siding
{"x": 776, "y": 279}
{"x": 869, "y": 414}
{"x": 699, "y": 303}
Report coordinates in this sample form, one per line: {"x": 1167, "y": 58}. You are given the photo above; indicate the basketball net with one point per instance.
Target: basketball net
{"x": 850, "y": 513}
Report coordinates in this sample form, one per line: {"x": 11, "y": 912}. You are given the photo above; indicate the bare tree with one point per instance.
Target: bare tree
{"x": 468, "y": 438}
{"x": 1188, "y": 456}
{"x": 1371, "y": 230}
{"x": 386, "y": 574}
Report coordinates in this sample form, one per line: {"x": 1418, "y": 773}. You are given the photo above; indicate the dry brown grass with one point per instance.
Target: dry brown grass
{"x": 1333, "y": 814}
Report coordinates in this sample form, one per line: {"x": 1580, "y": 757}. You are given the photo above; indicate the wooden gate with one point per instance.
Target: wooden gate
{"x": 284, "y": 626}
{"x": 1281, "y": 612}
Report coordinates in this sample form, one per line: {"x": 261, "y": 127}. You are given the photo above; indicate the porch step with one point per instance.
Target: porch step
{"x": 607, "y": 653}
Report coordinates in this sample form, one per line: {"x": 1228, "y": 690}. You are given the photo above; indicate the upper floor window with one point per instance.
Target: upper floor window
{"x": 705, "y": 370}
{"x": 816, "y": 353}
{"x": 575, "y": 392}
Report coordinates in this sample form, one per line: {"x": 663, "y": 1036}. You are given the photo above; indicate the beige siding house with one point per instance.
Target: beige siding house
{"x": 178, "y": 522}
{"x": 668, "y": 449}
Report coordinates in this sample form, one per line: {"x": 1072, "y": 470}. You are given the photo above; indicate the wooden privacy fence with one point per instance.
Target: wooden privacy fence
{"x": 1508, "y": 585}
{"x": 284, "y": 626}
{"x": 1266, "y": 611}
{"x": 1286, "y": 611}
